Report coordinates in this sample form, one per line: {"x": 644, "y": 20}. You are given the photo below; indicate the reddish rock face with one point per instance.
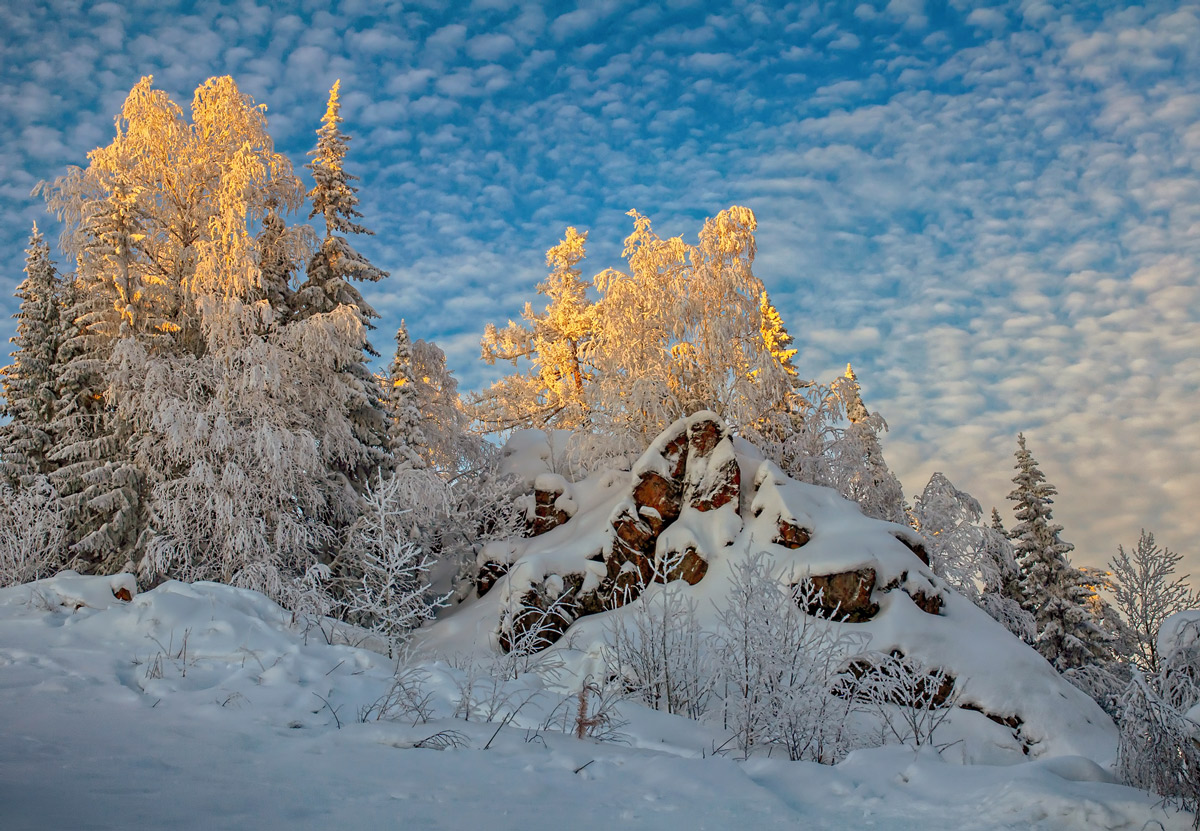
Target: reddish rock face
{"x": 635, "y": 534}
{"x": 931, "y": 691}
{"x": 537, "y": 625}
{"x": 726, "y": 488}
{"x": 489, "y": 573}
{"x": 690, "y": 568}
{"x": 676, "y": 454}
{"x": 629, "y": 565}
{"x": 123, "y": 594}
{"x": 545, "y": 515}
{"x": 929, "y": 603}
{"x": 660, "y": 495}
{"x": 845, "y": 596}
{"x": 790, "y": 535}
{"x": 703, "y": 437}
{"x": 917, "y": 549}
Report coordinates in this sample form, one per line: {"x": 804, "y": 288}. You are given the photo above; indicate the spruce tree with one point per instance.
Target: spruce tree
{"x": 400, "y": 399}
{"x": 336, "y": 262}
{"x": 1055, "y": 592}
{"x": 26, "y": 441}
{"x": 859, "y": 469}
{"x": 328, "y": 294}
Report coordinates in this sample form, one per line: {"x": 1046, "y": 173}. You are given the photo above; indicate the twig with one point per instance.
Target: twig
{"x": 336, "y": 720}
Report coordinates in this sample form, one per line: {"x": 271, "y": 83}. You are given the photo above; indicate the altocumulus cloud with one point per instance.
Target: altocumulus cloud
{"x": 993, "y": 212}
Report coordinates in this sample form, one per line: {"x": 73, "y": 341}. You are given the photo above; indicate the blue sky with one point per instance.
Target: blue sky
{"x": 992, "y": 211}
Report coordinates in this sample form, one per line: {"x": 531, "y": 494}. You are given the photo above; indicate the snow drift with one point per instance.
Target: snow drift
{"x": 697, "y": 503}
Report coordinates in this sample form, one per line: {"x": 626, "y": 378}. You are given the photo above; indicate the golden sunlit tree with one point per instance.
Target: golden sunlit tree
{"x": 685, "y": 327}
{"x": 554, "y": 341}
{"x": 222, "y": 439}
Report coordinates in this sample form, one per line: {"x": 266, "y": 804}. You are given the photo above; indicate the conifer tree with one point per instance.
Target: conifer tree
{"x": 26, "y": 441}
{"x": 329, "y": 292}
{"x": 859, "y": 470}
{"x": 400, "y": 399}
{"x": 775, "y": 337}
{"x": 450, "y": 447}
{"x": 1055, "y": 592}
{"x": 206, "y": 431}
{"x": 335, "y": 199}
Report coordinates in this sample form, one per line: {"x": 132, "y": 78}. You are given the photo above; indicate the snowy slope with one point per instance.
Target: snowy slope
{"x": 203, "y": 706}
{"x": 1033, "y": 711}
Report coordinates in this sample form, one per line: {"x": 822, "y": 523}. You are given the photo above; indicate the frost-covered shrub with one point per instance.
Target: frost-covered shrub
{"x": 33, "y": 540}
{"x": 910, "y": 699}
{"x": 388, "y": 587}
{"x": 657, "y": 651}
{"x": 1159, "y": 745}
{"x": 777, "y": 667}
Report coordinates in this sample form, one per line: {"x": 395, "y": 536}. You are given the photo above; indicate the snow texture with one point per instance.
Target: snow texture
{"x": 997, "y": 675}
{"x": 204, "y": 706}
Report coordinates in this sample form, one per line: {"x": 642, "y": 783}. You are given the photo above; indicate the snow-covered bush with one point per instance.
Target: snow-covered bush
{"x": 1159, "y": 747}
{"x": 777, "y": 667}
{"x": 910, "y": 699}
{"x": 388, "y": 586}
{"x": 33, "y": 540}
{"x": 657, "y": 651}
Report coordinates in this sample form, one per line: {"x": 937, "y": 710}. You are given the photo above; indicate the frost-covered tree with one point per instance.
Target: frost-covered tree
{"x": 657, "y": 651}
{"x": 332, "y": 272}
{"x": 400, "y": 401}
{"x": 685, "y": 327}
{"x": 389, "y": 567}
{"x": 450, "y": 446}
{"x": 856, "y": 464}
{"x": 207, "y": 430}
{"x": 1147, "y": 591}
{"x": 975, "y": 559}
{"x": 33, "y": 532}
{"x": 1159, "y": 742}
{"x": 1056, "y": 593}
{"x": 554, "y": 341}
{"x": 776, "y": 668}
{"x": 336, "y": 263}
{"x": 29, "y": 382}
{"x": 281, "y": 249}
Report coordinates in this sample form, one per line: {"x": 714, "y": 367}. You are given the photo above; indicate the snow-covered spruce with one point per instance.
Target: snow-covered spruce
{"x": 694, "y": 507}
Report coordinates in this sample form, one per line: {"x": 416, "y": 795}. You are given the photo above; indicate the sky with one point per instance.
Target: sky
{"x": 992, "y": 211}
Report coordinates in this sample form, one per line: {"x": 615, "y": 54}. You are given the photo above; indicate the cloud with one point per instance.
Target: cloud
{"x": 490, "y": 47}
{"x": 993, "y": 213}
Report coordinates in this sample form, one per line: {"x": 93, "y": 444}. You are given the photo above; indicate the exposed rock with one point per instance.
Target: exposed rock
{"x": 845, "y": 596}
{"x": 703, "y": 436}
{"x": 489, "y": 573}
{"x": 658, "y": 500}
{"x": 540, "y": 621}
{"x": 632, "y": 535}
{"x": 916, "y": 548}
{"x": 791, "y": 535}
{"x": 676, "y": 454}
{"x": 723, "y": 489}
{"x": 1013, "y": 722}
{"x": 122, "y": 594}
{"x": 691, "y": 567}
{"x": 931, "y": 691}
{"x": 545, "y": 513}
{"x": 584, "y": 602}
{"x": 928, "y": 603}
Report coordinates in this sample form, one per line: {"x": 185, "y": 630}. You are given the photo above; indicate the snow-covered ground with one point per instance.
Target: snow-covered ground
{"x": 203, "y": 706}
